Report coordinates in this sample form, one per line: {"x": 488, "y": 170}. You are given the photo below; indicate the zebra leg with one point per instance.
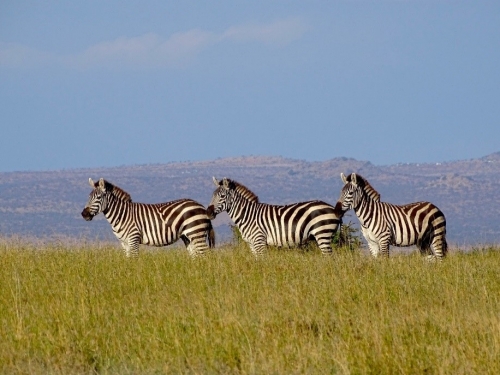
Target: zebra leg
{"x": 439, "y": 248}
{"x": 429, "y": 255}
{"x": 131, "y": 247}
{"x": 324, "y": 244}
{"x": 373, "y": 244}
{"x": 433, "y": 246}
{"x": 197, "y": 246}
{"x": 384, "y": 249}
{"x": 383, "y": 244}
{"x": 424, "y": 244}
{"x": 185, "y": 240}
{"x": 124, "y": 246}
{"x": 258, "y": 245}
{"x": 211, "y": 237}
{"x": 374, "y": 248}
{"x": 188, "y": 244}
{"x": 425, "y": 250}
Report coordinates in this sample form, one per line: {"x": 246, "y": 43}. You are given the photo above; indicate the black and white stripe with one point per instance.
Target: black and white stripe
{"x": 384, "y": 224}
{"x": 263, "y": 224}
{"x": 159, "y": 224}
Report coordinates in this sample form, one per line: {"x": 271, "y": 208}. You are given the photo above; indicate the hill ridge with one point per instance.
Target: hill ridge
{"x": 48, "y": 203}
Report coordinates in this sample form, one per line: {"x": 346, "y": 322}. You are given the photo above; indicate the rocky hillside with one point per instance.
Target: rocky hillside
{"x": 48, "y": 204}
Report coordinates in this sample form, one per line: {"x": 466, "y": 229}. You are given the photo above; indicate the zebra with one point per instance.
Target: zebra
{"x": 383, "y": 224}
{"x": 264, "y": 224}
{"x": 159, "y": 224}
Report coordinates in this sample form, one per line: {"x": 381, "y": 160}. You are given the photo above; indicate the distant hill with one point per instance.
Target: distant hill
{"x": 48, "y": 204}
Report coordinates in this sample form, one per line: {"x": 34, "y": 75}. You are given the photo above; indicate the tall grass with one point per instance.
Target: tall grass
{"x": 87, "y": 310}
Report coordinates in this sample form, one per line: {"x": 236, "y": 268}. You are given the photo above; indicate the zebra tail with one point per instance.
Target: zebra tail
{"x": 211, "y": 236}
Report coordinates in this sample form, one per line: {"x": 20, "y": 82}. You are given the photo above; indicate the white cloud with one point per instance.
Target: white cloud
{"x": 16, "y": 55}
{"x": 131, "y": 50}
{"x": 146, "y": 50}
{"x": 151, "y": 50}
{"x": 281, "y": 32}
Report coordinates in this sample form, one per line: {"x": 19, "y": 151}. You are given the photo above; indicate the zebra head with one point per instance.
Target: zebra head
{"x": 98, "y": 199}
{"x": 351, "y": 193}
{"x": 221, "y": 198}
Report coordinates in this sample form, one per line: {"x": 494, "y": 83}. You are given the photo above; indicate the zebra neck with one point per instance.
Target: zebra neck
{"x": 116, "y": 211}
{"x": 240, "y": 210}
{"x": 364, "y": 209}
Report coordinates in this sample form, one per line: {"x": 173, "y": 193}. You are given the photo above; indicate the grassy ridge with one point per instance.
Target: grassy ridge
{"x": 93, "y": 311}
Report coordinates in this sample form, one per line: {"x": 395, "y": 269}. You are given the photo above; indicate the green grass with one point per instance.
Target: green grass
{"x": 67, "y": 310}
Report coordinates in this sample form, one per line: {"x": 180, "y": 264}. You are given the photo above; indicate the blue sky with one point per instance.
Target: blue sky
{"x": 110, "y": 83}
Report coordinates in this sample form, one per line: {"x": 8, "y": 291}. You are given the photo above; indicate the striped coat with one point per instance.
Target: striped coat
{"x": 264, "y": 224}
{"x": 384, "y": 224}
{"x": 159, "y": 224}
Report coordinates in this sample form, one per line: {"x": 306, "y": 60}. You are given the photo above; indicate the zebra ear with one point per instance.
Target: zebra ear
{"x": 215, "y": 181}
{"x": 91, "y": 183}
{"x": 225, "y": 182}
{"x": 354, "y": 179}
{"x": 343, "y": 177}
{"x": 102, "y": 184}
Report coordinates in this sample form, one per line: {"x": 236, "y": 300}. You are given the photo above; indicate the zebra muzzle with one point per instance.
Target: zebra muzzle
{"x": 86, "y": 214}
{"x": 211, "y": 212}
{"x": 338, "y": 210}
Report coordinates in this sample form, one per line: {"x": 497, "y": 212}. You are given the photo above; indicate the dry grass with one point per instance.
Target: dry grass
{"x": 89, "y": 310}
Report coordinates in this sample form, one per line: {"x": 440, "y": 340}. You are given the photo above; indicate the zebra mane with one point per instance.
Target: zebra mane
{"x": 373, "y": 194}
{"x": 116, "y": 191}
{"x": 243, "y": 191}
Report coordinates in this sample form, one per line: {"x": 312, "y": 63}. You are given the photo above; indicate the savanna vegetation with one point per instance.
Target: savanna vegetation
{"x": 86, "y": 309}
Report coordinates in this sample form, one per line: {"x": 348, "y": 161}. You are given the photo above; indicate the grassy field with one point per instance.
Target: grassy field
{"x": 86, "y": 310}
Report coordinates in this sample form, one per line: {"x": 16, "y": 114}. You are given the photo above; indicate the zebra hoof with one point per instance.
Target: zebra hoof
{"x": 434, "y": 259}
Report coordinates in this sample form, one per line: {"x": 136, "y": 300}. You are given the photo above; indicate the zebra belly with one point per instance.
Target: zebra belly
{"x": 279, "y": 243}
{"x": 284, "y": 236}
{"x": 400, "y": 240}
{"x": 158, "y": 244}
{"x": 400, "y": 243}
{"x": 157, "y": 239}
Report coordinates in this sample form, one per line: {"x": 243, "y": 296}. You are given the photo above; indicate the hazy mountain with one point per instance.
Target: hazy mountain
{"x": 48, "y": 204}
